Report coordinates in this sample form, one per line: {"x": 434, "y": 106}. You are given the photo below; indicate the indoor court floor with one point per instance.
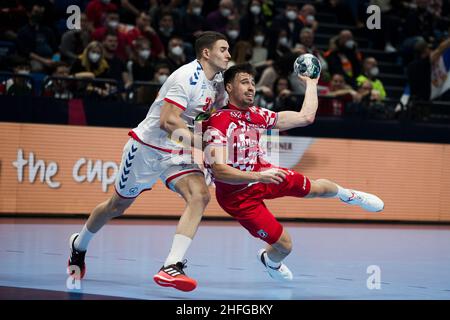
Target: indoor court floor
{"x": 329, "y": 261}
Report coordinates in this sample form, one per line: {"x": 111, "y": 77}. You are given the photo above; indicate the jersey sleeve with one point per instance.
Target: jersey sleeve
{"x": 217, "y": 127}
{"x": 269, "y": 116}
{"x": 179, "y": 90}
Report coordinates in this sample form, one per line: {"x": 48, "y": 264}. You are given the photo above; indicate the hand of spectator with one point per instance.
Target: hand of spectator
{"x": 356, "y": 96}
{"x": 266, "y": 91}
{"x": 375, "y": 95}
{"x": 285, "y": 93}
{"x": 85, "y": 74}
{"x": 149, "y": 29}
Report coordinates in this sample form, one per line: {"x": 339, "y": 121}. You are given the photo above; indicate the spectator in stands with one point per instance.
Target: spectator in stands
{"x": 132, "y": 9}
{"x": 288, "y": 20}
{"x": 91, "y": 63}
{"x": 96, "y": 11}
{"x": 420, "y": 22}
{"x": 117, "y": 69}
{"x": 341, "y": 93}
{"x": 233, "y": 33}
{"x": 74, "y": 41}
{"x": 278, "y": 98}
{"x": 176, "y": 56}
{"x": 19, "y": 84}
{"x": 166, "y": 29}
{"x": 147, "y": 94}
{"x": 144, "y": 28}
{"x": 306, "y": 43}
{"x": 59, "y": 88}
{"x": 259, "y": 51}
{"x": 140, "y": 67}
{"x": 253, "y": 20}
{"x": 281, "y": 68}
{"x": 242, "y": 52}
{"x": 281, "y": 46}
{"x": 370, "y": 72}
{"x": 194, "y": 22}
{"x": 307, "y": 17}
{"x": 162, "y": 72}
{"x": 218, "y": 19}
{"x": 343, "y": 12}
{"x": 36, "y": 42}
{"x": 111, "y": 25}
{"x": 345, "y": 59}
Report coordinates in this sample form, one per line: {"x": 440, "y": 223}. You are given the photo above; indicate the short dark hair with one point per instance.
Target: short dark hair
{"x": 238, "y": 68}
{"x": 207, "y": 40}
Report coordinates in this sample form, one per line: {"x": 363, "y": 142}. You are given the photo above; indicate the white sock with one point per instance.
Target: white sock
{"x": 82, "y": 241}
{"x": 343, "y": 193}
{"x": 180, "y": 245}
{"x": 270, "y": 263}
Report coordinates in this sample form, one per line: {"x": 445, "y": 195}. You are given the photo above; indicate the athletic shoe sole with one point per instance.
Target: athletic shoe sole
{"x": 176, "y": 282}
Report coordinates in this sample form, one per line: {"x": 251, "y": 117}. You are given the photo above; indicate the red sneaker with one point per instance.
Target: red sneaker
{"x": 76, "y": 267}
{"x": 174, "y": 276}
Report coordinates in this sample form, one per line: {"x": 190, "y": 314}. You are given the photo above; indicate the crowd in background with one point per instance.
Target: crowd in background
{"x": 130, "y": 41}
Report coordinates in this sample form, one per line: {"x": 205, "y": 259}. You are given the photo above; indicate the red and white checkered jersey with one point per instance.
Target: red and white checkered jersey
{"x": 188, "y": 89}
{"x": 240, "y": 131}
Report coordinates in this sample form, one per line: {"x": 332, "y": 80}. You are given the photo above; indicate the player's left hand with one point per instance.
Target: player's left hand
{"x": 308, "y": 79}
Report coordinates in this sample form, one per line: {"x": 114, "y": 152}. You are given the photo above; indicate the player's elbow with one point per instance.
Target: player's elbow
{"x": 309, "y": 120}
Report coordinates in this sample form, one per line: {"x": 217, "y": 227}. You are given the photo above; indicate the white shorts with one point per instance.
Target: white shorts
{"x": 142, "y": 166}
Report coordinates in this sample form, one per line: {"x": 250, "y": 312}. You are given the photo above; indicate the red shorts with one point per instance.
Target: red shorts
{"x": 248, "y": 207}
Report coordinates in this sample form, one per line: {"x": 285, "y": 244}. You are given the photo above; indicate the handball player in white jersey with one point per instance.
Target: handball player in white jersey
{"x": 156, "y": 151}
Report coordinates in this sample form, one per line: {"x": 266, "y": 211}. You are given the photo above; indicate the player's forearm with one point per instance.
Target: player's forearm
{"x": 307, "y": 114}
{"x": 227, "y": 174}
{"x": 179, "y": 132}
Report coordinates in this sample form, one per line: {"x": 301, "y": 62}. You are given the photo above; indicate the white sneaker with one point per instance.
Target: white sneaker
{"x": 366, "y": 201}
{"x": 282, "y": 273}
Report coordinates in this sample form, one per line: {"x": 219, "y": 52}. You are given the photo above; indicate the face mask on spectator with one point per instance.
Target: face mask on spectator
{"x": 23, "y": 72}
{"x": 177, "y": 50}
{"x": 291, "y": 14}
{"x": 284, "y": 41}
{"x": 233, "y": 34}
{"x": 310, "y": 19}
{"x": 255, "y": 9}
{"x": 350, "y": 44}
{"x": 259, "y": 39}
{"x": 166, "y": 31}
{"x": 144, "y": 54}
{"x": 162, "y": 78}
{"x": 374, "y": 71}
{"x": 94, "y": 57}
{"x": 196, "y": 11}
{"x": 225, "y": 12}
{"x": 113, "y": 24}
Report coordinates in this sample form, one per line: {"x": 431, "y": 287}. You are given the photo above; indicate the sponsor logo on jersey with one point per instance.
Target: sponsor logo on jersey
{"x": 263, "y": 234}
{"x": 207, "y": 103}
{"x": 236, "y": 114}
{"x": 133, "y": 191}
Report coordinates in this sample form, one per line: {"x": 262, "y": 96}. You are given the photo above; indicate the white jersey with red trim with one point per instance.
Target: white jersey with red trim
{"x": 190, "y": 90}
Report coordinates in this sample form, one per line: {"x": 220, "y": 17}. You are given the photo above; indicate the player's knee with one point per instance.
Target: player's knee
{"x": 200, "y": 197}
{"x": 117, "y": 206}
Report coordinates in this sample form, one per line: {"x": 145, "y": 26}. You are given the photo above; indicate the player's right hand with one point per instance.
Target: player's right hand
{"x": 273, "y": 175}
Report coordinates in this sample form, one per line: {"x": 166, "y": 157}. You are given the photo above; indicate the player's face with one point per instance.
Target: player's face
{"x": 219, "y": 55}
{"x": 242, "y": 90}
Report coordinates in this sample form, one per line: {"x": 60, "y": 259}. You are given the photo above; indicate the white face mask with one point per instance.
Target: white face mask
{"x": 94, "y": 57}
{"x": 284, "y": 41}
{"x": 374, "y": 71}
{"x": 259, "y": 39}
{"x": 113, "y": 24}
{"x": 162, "y": 78}
{"x": 144, "y": 54}
{"x": 350, "y": 44}
{"x": 225, "y": 12}
{"x": 255, "y": 9}
{"x": 291, "y": 14}
{"x": 310, "y": 19}
{"x": 24, "y": 72}
{"x": 178, "y": 51}
{"x": 233, "y": 34}
{"x": 196, "y": 11}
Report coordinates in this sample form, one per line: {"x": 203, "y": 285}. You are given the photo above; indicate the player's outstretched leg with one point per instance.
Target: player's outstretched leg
{"x": 195, "y": 192}
{"x": 272, "y": 258}
{"x": 324, "y": 188}
{"x": 111, "y": 208}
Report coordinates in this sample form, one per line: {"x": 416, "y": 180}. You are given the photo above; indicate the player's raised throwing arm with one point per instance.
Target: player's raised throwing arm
{"x": 291, "y": 119}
